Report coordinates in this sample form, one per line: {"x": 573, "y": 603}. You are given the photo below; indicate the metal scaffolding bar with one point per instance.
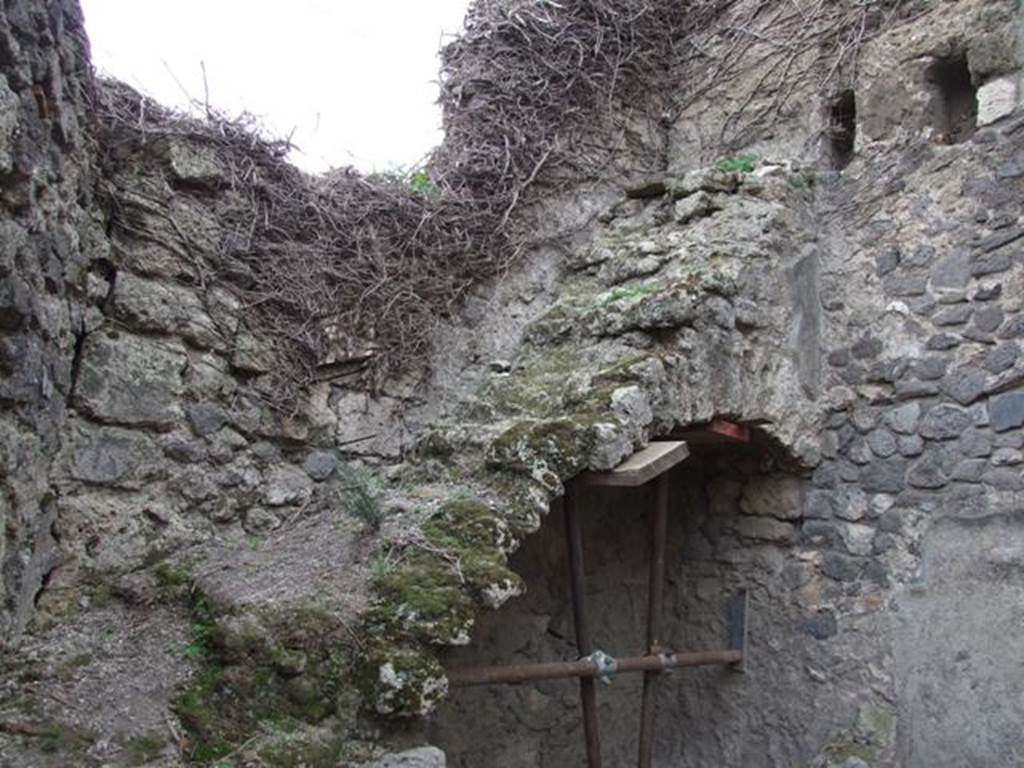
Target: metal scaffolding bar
{"x": 655, "y": 600}
{"x": 586, "y": 669}
{"x": 651, "y": 463}
{"x": 584, "y": 645}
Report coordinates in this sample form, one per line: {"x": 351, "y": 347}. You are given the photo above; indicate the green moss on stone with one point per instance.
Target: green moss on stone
{"x": 561, "y": 446}
{"x": 400, "y": 680}
{"x": 425, "y": 597}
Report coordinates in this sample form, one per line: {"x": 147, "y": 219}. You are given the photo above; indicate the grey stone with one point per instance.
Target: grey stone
{"x": 990, "y": 264}
{"x": 1002, "y": 357}
{"x": 958, "y": 315}
{"x": 943, "y": 341}
{"x": 987, "y": 292}
{"x": 646, "y": 188}
{"x": 859, "y": 452}
{"x": 1014, "y": 439}
{"x": 821, "y": 625}
{"x": 841, "y": 567}
{"x": 196, "y": 164}
{"x": 163, "y": 307}
{"x": 694, "y": 206}
{"x": 421, "y": 757}
{"x": 863, "y": 419}
{"x": 904, "y": 419}
{"x": 998, "y": 240}
{"x": 819, "y": 533}
{"x": 763, "y": 528}
{"x": 205, "y": 418}
{"x": 259, "y": 520}
{"x": 969, "y": 470}
{"x": 185, "y": 451}
{"x": 883, "y": 475}
{"x": 867, "y": 347}
{"x": 905, "y": 285}
{"x": 286, "y": 485}
{"x": 910, "y": 390}
{"x": 320, "y": 465}
{"x": 945, "y": 422}
{"x": 921, "y": 256}
{"x": 1006, "y": 457}
{"x": 909, "y": 445}
{"x": 965, "y": 385}
{"x": 992, "y": 54}
{"x": 126, "y": 379}
{"x": 952, "y": 271}
{"x": 857, "y": 538}
{"x": 887, "y": 261}
{"x": 927, "y": 472}
{"x": 882, "y": 442}
{"x": 975, "y": 443}
{"x": 891, "y": 521}
{"x": 1007, "y": 411}
{"x": 852, "y": 504}
{"x": 979, "y": 414}
{"x": 965, "y": 501}
{"x": 885, "y": 542}
{"x": 819, "y": 504}
{"x": 839, "y": 358}
{"x": 1012, "y": 328}
{"x": 779, "y": 496}
{"x": 929, "y": 368}
{"x": 116, "y": 457}
{"x": 1004, "y": 479}
{"x": 989, "y": 319}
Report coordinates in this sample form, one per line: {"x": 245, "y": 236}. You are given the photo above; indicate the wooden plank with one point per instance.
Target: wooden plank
{"x": 642, "y": 466}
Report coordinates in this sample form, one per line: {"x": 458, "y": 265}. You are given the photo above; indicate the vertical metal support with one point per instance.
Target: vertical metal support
{"x": 655, "y": 601}
{"x": 584, "y": 644}
{"x": 738, "y": 628}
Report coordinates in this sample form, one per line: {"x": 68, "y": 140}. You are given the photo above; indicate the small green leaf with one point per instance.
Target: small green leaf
{"x": 421, "y": 183}
{"x": 741, "y": 164}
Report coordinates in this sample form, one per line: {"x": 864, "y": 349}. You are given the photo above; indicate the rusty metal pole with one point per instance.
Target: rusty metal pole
{"x": 517, "y": 674}
{"x": 655, "y": 600}
{"x": 584, "y": 644}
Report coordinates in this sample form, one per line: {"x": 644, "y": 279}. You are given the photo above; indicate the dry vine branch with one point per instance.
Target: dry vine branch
{"x": 345, "y": 272}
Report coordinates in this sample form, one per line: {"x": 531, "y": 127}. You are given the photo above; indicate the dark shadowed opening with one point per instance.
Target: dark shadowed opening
{"x": 842, "y": 129}
{"x": 730, "y": 523}
{"x": 955, "y": 99}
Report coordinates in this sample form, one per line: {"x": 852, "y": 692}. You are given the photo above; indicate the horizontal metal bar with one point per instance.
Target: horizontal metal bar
{"x": 514, "y": 674}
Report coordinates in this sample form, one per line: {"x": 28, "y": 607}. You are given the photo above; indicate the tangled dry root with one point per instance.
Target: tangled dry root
{"x": 345, "y": 273}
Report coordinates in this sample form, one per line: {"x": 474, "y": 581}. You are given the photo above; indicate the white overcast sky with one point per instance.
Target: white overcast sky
{"x": 353, "y": 78}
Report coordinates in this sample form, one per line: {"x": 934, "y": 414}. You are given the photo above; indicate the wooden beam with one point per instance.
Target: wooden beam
{"x": 642, "y": 466}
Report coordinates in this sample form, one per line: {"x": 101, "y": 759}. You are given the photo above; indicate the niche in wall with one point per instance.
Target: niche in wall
{"x": 842, "y": 129}
{"x": 954, "y": 99}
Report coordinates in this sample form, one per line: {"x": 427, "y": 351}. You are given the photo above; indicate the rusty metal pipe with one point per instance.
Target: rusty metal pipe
{"x": 655, "y": 599}
{"x": 515, "y": 674}
{"x": 584, "y": 645}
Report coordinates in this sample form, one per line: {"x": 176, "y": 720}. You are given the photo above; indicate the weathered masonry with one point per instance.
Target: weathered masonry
{"x": 650, "y": 466}
{"x": 805, "y": 273}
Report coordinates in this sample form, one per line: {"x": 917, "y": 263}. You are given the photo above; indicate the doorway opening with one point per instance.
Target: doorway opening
{"x": 841, "y": 133}
{"x": 715, "y": 530}
{"x": 954, "y": 99}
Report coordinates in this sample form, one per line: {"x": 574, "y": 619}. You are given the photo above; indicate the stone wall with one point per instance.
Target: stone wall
{"x": 49, "y": 229}
{"x": 883, "y": 593}
{"x": 858, "y": 304}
